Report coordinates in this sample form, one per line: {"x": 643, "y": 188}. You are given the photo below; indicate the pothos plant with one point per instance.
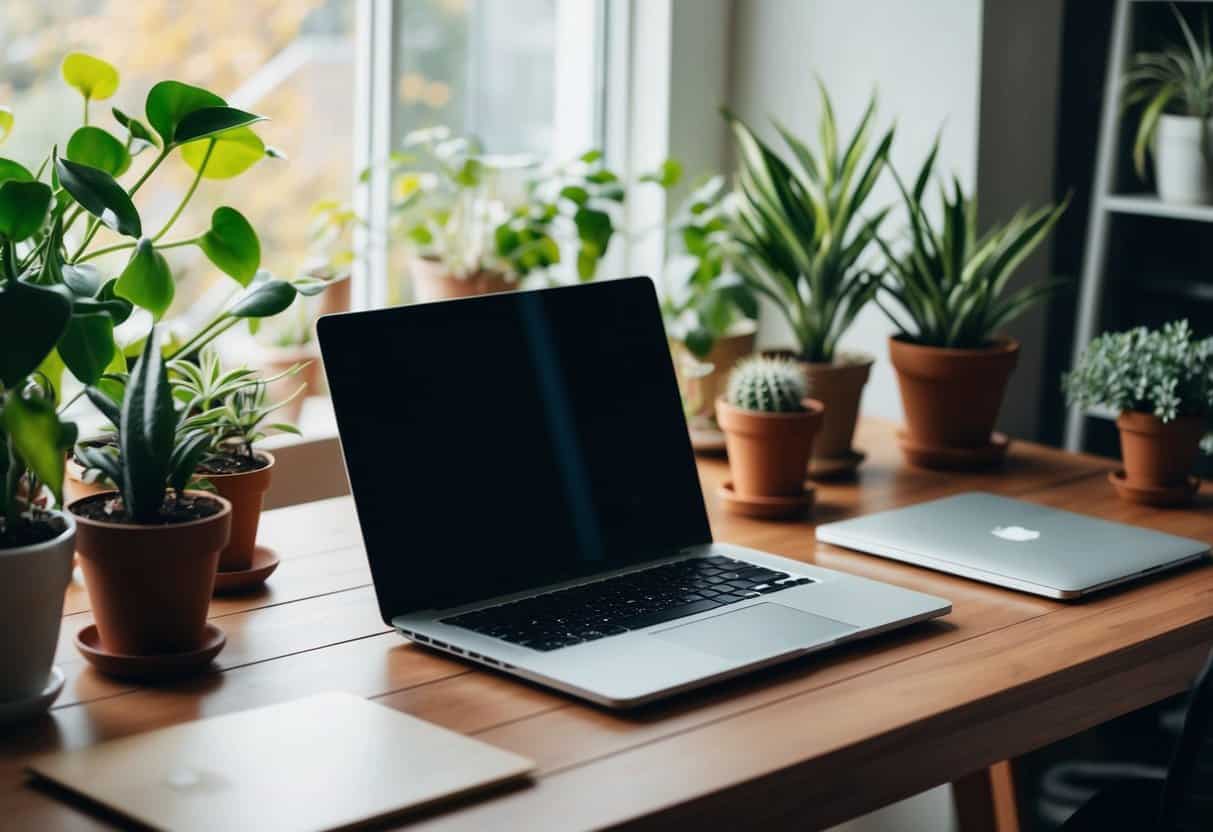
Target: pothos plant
{"x": 59, "y": 305}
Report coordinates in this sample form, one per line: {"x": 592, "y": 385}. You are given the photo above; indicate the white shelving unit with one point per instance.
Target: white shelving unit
{"x": 1106, "y": 203}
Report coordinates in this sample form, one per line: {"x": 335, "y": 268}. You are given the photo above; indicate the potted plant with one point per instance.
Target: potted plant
{"x": 1160, "y": 385}
{"x": 769, "y": 424}
{"x": 949, "y": 282}
{"x": 1175, "y": 89}
{"x": 230, "y": 408}
{"x": 710, "y": 312}
{"x": 802, "y": 239}
{"x": 150, "y": 549}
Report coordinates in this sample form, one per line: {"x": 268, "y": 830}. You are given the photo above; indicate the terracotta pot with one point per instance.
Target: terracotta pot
{"x": 952, "y": 397}
{"x": 32, "y": 582}
{"x": 723, "y": 356}
{"x": 838, "y": 386}
{"x": 336, "y": 298}
{"x": 432, "y": 281}
{"x": 769, "y": 452}
{"x": 244, "y": 490}
{"x": 277, "y": 360}
{"x": 1158, "y": 454}
{"x": 150, "y": 586}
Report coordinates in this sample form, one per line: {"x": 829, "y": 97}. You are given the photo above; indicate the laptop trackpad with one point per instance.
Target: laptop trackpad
{"x": 754, "y": 632}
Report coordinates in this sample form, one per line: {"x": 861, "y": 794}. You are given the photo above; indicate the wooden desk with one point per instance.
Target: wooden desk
{"x": 801, "y": 746}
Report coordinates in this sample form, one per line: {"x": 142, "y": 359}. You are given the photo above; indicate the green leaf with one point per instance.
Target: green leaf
{"x": 212, "y": 121}
{"x": 469, "y": 174}
{"x": 169, "y": 102}
{"x": 667, "y": 175}
{"x": 94, "y": 78}
{"x": 82, "y": 278}
{"x": 235, "y": 152}
{"x": 12, "y": 170}
{"x": 264, "y": 299}
{"x": 87, "y": 345}
{"x": 135, "y": 127}
{"x": 147, "y": 280}
{"x": 23, "y": 208}
{"x": 39, "y": 438}
{"x": 96, "y": 148}
{"x": 699, "y": 341}
{"x": 575, "y": 194}
{"x": 591, "y": 156}
{"x": 145, "y": 433}
{"x": 6, "y": 123}
{"x": 101, "y": 196}
{"x": 31, "y": 319}
{"x": 594, "y": 227}
{"x": 232, "y": 245}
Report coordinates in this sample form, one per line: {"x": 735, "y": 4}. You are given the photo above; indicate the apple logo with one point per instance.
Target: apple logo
{"x": 1015, "y": 534}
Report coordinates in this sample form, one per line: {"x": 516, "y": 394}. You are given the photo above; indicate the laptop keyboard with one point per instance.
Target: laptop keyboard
{"x": 625, "y": 603}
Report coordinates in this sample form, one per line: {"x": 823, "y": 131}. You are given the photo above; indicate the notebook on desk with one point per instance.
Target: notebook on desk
{"x": 328, "y": 761}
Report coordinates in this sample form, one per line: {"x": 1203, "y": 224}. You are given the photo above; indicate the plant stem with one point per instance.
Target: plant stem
{"x": 121, "y": 246}
{"x": 220, "y": 324}
{"x": 93, "y": 226}
{"x": 155, "y": 164}
{"x": 63, "y": 407}
{"x": 188, "y": 194}
{"x": 86, "y": 110}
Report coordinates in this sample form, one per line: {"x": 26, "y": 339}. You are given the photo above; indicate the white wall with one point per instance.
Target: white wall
{"x": 924, "y": 60}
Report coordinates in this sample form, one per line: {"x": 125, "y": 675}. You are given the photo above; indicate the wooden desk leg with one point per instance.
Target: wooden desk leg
{"x": 985, "y": 800}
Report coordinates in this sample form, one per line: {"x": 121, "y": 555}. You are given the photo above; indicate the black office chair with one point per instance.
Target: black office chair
{"x": 1180, "y": 801}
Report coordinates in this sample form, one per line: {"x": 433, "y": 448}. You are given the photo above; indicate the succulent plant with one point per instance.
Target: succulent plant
{"x": 770, "y": 385}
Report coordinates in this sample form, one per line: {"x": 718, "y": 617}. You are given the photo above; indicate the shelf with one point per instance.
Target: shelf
{"x": 1148, "y": 205}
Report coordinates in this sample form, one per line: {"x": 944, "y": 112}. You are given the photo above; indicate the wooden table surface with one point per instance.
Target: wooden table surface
{"x": 804, "y": 745}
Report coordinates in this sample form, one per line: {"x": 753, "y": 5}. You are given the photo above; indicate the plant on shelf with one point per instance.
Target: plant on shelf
{"x": 709, "y": 310}
{"x": 950, "y": 284}
{"x": 230, "y": 408}
{"x": 1175, "y": 90}
{"x": 149, "y": 550}
{"x": 1160, "y": 385}
{"x": 769, "y": 425}
{"x": 803, "y": 240}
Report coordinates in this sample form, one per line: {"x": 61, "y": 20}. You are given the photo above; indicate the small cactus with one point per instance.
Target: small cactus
{"x": 770, "y": 385}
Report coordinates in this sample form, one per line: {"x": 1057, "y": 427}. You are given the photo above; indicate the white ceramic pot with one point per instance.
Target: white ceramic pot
{"x": 1183, "y": 173}
{"x": 32, "y": 582}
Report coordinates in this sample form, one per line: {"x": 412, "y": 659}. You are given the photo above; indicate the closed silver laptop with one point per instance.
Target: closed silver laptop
{"x": 1015, "y": 544}
{"x": 529, "y": 500}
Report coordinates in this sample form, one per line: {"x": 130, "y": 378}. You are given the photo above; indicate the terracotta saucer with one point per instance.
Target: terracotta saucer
{"x": 708, "y": 441}
{"x": 836, "y": 468}
{"x": 12, "y": 713}
{"x": 955, "y": 459}
{"x": 766, "y": 508}
{"x": 265, "y": 561}
{"x": 149, "y": 668}
{"x": 1175, "y": 495}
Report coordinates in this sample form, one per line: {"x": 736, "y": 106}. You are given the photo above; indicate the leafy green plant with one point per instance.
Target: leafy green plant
{"x": 1166, "y": 372}
{"x": 951, "y": 282}
{"x": 800, "y": 228}
{"x": 769, "y": 385}
{"x": 705, "y": 296}
{"x": 229, "y": 406}
{"x": 154, "y": 453}
{"x": 1175, "y": 80}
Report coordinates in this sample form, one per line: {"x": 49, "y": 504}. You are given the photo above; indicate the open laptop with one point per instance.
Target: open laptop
{"x": 529, "y": 500}
{"x": 1015, "y": 544}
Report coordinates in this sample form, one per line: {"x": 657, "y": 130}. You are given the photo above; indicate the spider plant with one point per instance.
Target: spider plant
{"x": 800, "y": 228}
{"x": 950, "y": 281}
{"x": 1176, "y": 80}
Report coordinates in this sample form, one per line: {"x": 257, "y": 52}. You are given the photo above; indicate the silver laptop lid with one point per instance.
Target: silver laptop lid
{"x": 1014, "y": 543}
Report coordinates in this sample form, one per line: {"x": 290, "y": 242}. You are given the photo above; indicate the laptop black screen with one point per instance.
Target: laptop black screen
{"x": 507, "y": 441}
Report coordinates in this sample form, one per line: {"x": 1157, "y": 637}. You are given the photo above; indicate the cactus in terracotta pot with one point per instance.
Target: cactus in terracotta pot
{"x": 770, "y": 385}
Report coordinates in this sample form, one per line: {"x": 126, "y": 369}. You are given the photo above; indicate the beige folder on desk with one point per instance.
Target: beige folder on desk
{"x": 324, "y": 762}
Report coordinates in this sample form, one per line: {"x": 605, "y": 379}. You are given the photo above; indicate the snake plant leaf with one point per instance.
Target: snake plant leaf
{"x": 264, "y": 299}
{"x": 169, "y": 102}
{"x": 104, "y": 400}
{"x": 99, "y": 149}
{"x": 233, "y": 153}
{"x": 13, "y": 170}
{"x": 100, "y": 195}
{"x": 31, "y": 318}
{"x": 23, "y": 208}
{"x": 95, "y": 79}
{"x": 186, "y": 456}
{"x": 232, "y": 245}
{"x": 212, "y": 121}
{"x": 147, "y": 280}
{"x": 87, "y": 345}
{"x": 6, "y": 123}
{"x": 39, "y": 438}
{"x": 146, "y": 431}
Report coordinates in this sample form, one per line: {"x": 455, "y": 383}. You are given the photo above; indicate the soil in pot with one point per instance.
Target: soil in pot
{"x": 951, "y": 397}
{"x": 150, "y": 584}
{"x": 1158, "y": 454}
{"x": 769, "y": 452}
{"x": 242, "y": 480}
